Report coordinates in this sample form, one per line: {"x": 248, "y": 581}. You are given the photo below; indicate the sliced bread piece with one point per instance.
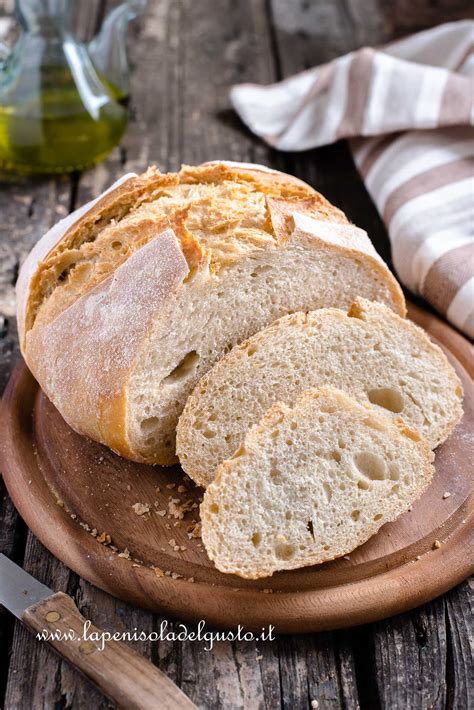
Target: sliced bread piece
{"x": 369, "y": 352}
{"x": 310, "y": 484}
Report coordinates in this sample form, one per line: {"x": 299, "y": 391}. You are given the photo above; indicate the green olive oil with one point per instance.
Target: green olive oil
{"x": 52, "y": 130}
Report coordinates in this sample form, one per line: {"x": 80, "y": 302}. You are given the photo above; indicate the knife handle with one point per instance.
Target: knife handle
{"x": 121, "y": 673}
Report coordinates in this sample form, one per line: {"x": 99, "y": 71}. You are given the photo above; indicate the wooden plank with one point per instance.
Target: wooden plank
{"x": 317, "y": 668}
{"x": 26, "y": 215}
{"x": 405, "y": 16}
{"x": 460, "y": 666}
{"x": 409, "y": 654}
{"x": 28, "y": 209}
{"x": 309, "y": 33}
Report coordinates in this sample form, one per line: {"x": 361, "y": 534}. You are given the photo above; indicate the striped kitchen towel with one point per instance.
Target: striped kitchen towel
{"x": 408, "y": 110}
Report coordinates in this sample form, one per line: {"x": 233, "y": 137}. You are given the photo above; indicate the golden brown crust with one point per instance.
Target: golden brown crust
{"x": 313, "y": 220}
{"x": 280, "y": 213}
{"x": 113, "y": 206}
{"x": 269, "y": 182}
{"x": 83, "y": 358}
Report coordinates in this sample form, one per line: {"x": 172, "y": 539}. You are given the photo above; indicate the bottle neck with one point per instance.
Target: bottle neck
{"x": 49, "y": 18}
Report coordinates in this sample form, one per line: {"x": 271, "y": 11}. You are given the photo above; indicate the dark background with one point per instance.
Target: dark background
{"x": 186, "y": 54}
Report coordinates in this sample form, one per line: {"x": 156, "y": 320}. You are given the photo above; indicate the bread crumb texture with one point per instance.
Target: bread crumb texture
{"x": 310, "y": 483}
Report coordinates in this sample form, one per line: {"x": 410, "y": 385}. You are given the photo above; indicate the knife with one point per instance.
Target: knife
{"x": 122, "y": 674}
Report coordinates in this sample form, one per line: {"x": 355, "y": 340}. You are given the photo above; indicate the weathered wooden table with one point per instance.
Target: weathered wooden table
{"x": 186, "y": 54}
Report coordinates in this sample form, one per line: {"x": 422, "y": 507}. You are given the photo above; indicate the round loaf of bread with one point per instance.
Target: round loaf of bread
{"x": 123, "y": 306}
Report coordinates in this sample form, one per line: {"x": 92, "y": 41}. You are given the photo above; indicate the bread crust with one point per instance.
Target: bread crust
{"x": 82, "y": 359}
{"x": 61, "y": 350}
{"x": 311, "y": 222}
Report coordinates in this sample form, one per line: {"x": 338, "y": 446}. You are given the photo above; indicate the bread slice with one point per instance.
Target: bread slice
{"x": 311, "y": 483}
{"x": 124, "y": 307}
{"x": 369, "y": 352}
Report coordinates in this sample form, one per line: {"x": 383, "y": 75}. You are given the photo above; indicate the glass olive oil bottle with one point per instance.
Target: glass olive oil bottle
{"x": 58, "y": 113}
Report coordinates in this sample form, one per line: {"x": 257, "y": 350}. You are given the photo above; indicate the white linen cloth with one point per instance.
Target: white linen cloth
{"x": 408, "y": 110}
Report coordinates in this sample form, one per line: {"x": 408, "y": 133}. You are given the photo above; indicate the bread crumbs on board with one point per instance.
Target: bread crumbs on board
{"x": 178, "y": 509}
{"x": 176, "y": 548}
{"x": 194, "y": 530}
{"x": 141, "y": 508}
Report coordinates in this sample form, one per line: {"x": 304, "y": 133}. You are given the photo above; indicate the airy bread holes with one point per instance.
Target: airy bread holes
{"x": 355, "y": 515}
{"x": 387, "y": 398}
{"x": 310, "y": 528}
{"x": 260, "y": 270}
{"x": 183, "y": 369}
{"x": 256, "y": 539}
{"x": 371, "y": 466}
{"x": 284, "y": 551}
{"x": 275, "y": 475}
{"x": 328, "y": 491}
{"x": 65, "y": 272}
{"x": 149, "y": 425}
{"x": 394, "y": 472}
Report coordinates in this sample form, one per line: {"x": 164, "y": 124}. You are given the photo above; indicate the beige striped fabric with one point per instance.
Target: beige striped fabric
{"x": 407, "y": 109}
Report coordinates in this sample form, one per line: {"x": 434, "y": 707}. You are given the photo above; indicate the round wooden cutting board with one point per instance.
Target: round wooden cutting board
{"x": 131, "y": 529}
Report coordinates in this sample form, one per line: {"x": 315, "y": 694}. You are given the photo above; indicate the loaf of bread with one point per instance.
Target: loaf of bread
{"x": 126, "y": 304}
{"x": 311, "y": 483}
{"x": 368, "y": 351}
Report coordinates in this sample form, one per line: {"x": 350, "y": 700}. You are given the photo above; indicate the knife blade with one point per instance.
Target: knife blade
{"x": 123, "y": 675}
{"x": 18, "y": 589}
